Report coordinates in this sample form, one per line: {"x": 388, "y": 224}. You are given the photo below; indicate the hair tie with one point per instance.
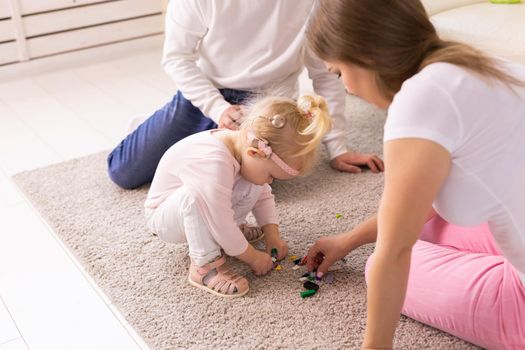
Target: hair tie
{"x": 305, "y": 108}
{"x": 278, "y": 121}
{"x": 264, "y": 146}
{"x": 309, "y": 116}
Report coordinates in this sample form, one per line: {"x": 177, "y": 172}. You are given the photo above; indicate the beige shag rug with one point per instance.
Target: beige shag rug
{"x": 146, "y": 279}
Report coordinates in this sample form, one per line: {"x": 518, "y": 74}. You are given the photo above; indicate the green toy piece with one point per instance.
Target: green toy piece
{"x": 338, "y": 216}
{"x": 505, "y": 1}
{"x": 307, "y": 293}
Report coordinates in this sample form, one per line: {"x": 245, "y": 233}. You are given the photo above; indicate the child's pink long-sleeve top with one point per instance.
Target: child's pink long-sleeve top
{"x": 205, "y": 166}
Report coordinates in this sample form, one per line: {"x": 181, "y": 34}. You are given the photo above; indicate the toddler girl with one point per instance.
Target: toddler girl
{"x": 206, "y": 184}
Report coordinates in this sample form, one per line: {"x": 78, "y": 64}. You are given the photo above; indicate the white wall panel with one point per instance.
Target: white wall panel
{"x": 57, "y": 21}
{"x": 7, "y": 30}
{"x": 8, "y": 53}
{"x": 93, "y": 36}
{"x": 5, "y": 11}
{"x": 37, "y": 28}
{"x": 33, "y": 6}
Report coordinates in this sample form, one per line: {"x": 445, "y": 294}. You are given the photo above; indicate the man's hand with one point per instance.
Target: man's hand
{"x": 351, "y": 162}
{"x": 231, "y": 117}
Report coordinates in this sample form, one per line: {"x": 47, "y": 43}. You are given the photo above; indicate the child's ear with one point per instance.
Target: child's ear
{"x": 255, "y": 152}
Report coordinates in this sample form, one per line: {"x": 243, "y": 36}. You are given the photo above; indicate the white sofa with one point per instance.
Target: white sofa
{"x": 494, "y": 28}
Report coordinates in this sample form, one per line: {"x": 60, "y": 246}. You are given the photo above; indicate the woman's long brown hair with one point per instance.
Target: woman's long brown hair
{"x": 393, "y": 38}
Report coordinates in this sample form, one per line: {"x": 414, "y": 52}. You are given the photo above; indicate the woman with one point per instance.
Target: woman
{"x": 454, "y": 143}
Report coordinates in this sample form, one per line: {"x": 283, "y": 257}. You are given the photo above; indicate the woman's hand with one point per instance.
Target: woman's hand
{"x": 326, "y": 251}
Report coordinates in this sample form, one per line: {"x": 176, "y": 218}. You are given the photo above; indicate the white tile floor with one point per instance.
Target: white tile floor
{"x": 51, "y": 111}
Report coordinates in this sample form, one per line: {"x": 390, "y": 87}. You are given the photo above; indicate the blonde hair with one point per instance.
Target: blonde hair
{"x": 393, "y": 38}
{"x": 304, "y": 124}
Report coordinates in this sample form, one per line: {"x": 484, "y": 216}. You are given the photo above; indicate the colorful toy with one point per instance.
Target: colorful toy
{"x": 311, "y": 286}
{"x": 304, "y": 260}
{"x": 274, "y": 258}
{"x": 309, "y": 279}
{"x": 505, "y": 1}
{"x": 307, "y": 293}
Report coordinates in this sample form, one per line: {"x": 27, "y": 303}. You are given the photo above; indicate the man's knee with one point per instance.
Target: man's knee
{"x": 121, "y": 175}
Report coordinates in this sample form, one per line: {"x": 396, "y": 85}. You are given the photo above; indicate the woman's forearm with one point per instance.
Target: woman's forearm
{"x": 387, "y": 280}
{"x": 364, "y": 233}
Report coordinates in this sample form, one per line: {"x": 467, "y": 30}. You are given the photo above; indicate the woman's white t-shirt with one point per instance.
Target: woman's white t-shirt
{"x": 481, "y": 123}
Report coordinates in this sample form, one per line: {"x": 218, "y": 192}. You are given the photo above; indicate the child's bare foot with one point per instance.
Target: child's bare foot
{"x": 218, "y": 279}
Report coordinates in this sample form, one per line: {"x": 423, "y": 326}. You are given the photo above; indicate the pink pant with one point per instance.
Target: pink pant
{"x": 460, "y": 283}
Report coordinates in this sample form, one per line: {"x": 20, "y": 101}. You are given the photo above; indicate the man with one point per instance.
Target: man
{"x": 220, "y": 54}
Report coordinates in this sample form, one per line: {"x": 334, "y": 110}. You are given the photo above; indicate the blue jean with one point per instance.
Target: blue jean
{"x": 134, "y": 161}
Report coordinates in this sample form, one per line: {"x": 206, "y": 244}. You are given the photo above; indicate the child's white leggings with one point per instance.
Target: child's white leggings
{"x": 177, "y": 220}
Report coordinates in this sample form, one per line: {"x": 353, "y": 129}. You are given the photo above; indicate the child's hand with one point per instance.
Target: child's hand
{"x": 260, "y": 262}
{"x": 273, "y": 240}
{"x": 280, "y": 245}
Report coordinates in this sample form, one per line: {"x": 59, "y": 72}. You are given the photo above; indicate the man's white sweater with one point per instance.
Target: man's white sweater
{"x": 252, "y": 45}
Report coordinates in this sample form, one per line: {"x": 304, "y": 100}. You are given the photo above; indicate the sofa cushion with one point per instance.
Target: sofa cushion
{"x": 496, "y": 29}
{"x": 437, "y": 6}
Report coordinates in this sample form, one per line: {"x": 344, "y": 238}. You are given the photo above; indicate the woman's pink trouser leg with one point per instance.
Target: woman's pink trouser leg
{"x": 461, "y": 284}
